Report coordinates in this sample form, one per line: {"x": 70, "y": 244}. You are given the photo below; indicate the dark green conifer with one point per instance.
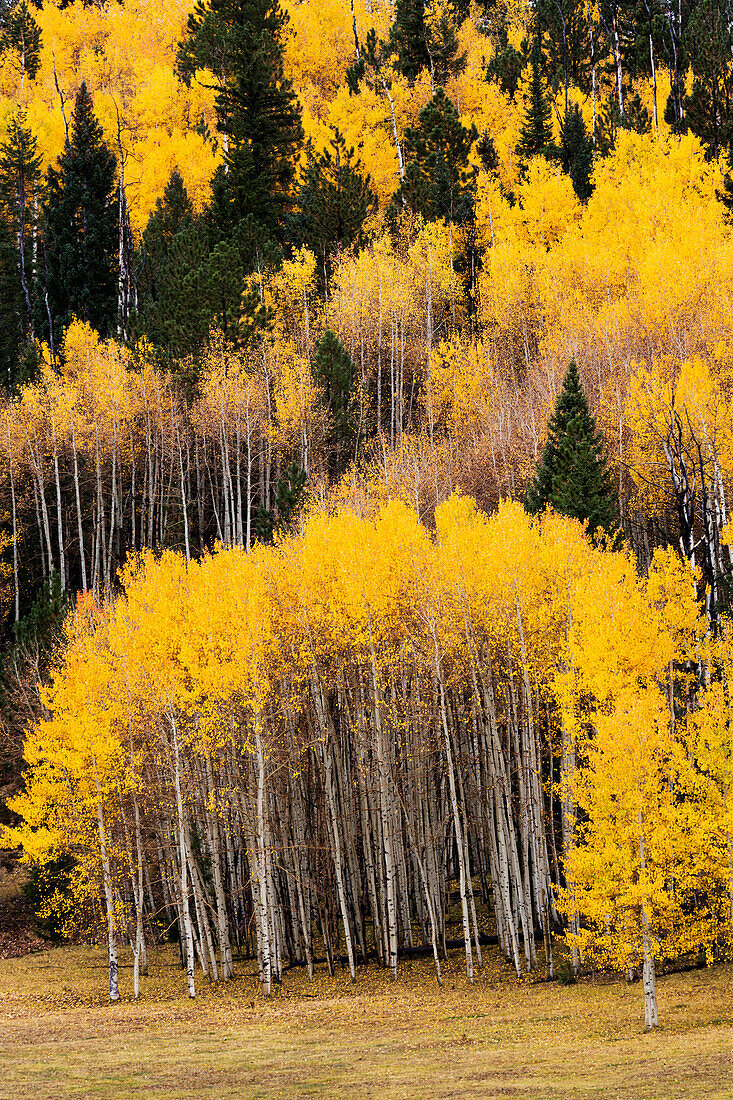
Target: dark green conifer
{"x": 173, "y": 211}
{"x": 407, "y": 37}
{"x": 334, "y": 372}
{"x": 200, "y": 284}
{"x": 20, "y": 193}
{"x": 487, "y": 153}
{"x": 577, "y": 153}
{"x": 334, "y": 200}
{"x": 505, "y": 67}
{"x": 11, "y": 309}
{"x": 610, "y": 121}
{"x": 21, "y": 41}
{"x": 571, "y": 475}
{"x": 80, "y": 213}
{"x": 566, "y": 45}
{"x": 708, "y": 108}
{"x": 438, "y": 179}
{"x": 257, "y": 112}
{"x": 536, "y": 134}
{"x": 419, "y": 45}
{"x": 173, "y": 214}
{"x": 291, "y": 491}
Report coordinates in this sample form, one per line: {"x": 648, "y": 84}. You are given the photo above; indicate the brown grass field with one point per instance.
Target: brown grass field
{"x": 403, "y": 1040}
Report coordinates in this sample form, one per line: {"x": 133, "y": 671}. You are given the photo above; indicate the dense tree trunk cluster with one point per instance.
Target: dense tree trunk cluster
{"x": 338, "y": 747}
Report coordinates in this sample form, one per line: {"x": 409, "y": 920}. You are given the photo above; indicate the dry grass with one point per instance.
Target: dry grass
{"x": 377, "y": 1038}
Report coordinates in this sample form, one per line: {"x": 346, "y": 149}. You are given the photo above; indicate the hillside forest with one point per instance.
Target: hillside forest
{"x": 366, "y": 438}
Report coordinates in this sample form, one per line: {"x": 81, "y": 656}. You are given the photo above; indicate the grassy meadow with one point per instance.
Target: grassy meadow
{"x": 403, "y": 1040}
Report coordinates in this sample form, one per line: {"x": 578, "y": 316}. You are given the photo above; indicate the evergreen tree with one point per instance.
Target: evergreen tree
{"x": 291, "y": 489}
{"x": 426, "y": 40}
{"x": 577, "y": 153}
{"x": 21, "y": 40}
{"x": 173, "y": 212}
{"x": 487, "y": 154}
{"x": 334, "y": 372}
{"x": 408, "y": 37}
{"x": 505, "y": 67}
{"x": 11, "y": 309}
{"x": 536, "y": 134}
{"x": 610, "y": 121}
{"x": 240, "y": 41}
{"x": 571, "y": 475}
{"x": 565, "y": 45}
{"x": 438, "y": 180}
{"x": 172, "y": 215}
{"x": 199, "y": 284}
{"x": 674, "y": 45}
{"x": 334, "y": 200}
{"x": 709, "y": 107}
{"x": 81, "y": 226}
{"x": 20, "y": 192}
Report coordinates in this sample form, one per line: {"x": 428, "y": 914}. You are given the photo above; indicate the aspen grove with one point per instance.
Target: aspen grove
{"x": 366, "y": 458}
{"x": 313, "y": 749}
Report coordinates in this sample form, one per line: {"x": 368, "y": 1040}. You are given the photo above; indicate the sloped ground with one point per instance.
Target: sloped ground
{"x": 404, "y": 1040}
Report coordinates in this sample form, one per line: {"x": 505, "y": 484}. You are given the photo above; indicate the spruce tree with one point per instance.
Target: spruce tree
{"x": 408, "y": 37}
{"x": 21, "y": 40}
{"x": 421, "y": 43}
{"x": 199, "y": 283}
{"x": 571, "y": 475}
{"x": 11, "y": 309}
{"x": 334, "y": 372}
{"x": 536, "y": 134}
{"x": 709, "y": 106}
{"x": 20, "y": 192}
{"x": 566, "y": 45}
{"x": 611, "y": 121}
{"x": 438, "y": 179}
{"x": 334, "y": 200}
{"x": 577, "y": 152}
{"x": 173, "y": 214}
{"x": 505, "y": 67}
{"x": 81, "y": 226}
{"x": 173, "y": 211}
{"x": 291, "y": 491}
{"x": 241, "y": 41}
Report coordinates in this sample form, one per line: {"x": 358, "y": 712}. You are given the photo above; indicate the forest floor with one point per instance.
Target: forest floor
{"x": 403, "y": 1040}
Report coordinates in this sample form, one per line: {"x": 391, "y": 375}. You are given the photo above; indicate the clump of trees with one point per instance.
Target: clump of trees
{"x": 310, "y": 747}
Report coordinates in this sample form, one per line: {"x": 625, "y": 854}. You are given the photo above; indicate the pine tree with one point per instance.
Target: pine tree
{"x": 565, "y": 45}
{"x": 21, "y": 39}
{"x": 425, "y": 38}
{"x": 173, "y": 211}
{"x": 571, "y": 475}
{"x": 291, "y": 490}
{"x": 610, "y": 121}
{"x": 199, "y": 284}
{"x": 577, "y": 153}
{"x": 709, "y": 107}
{"x": 257, "y": 112}
{"x": 20, "y": 192}
{"x": 172, "y": 215}
{"x": 11, "y": 309}
{"x": 81, "y": 226}
{"x": 334, "y": 372}
{"x": 438, "y": 180}
{"x": 505, "y": 67}
{"x": 334, "y": 201}
{"x": 407, "y": 37}
{"x": 536, "y": 134}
